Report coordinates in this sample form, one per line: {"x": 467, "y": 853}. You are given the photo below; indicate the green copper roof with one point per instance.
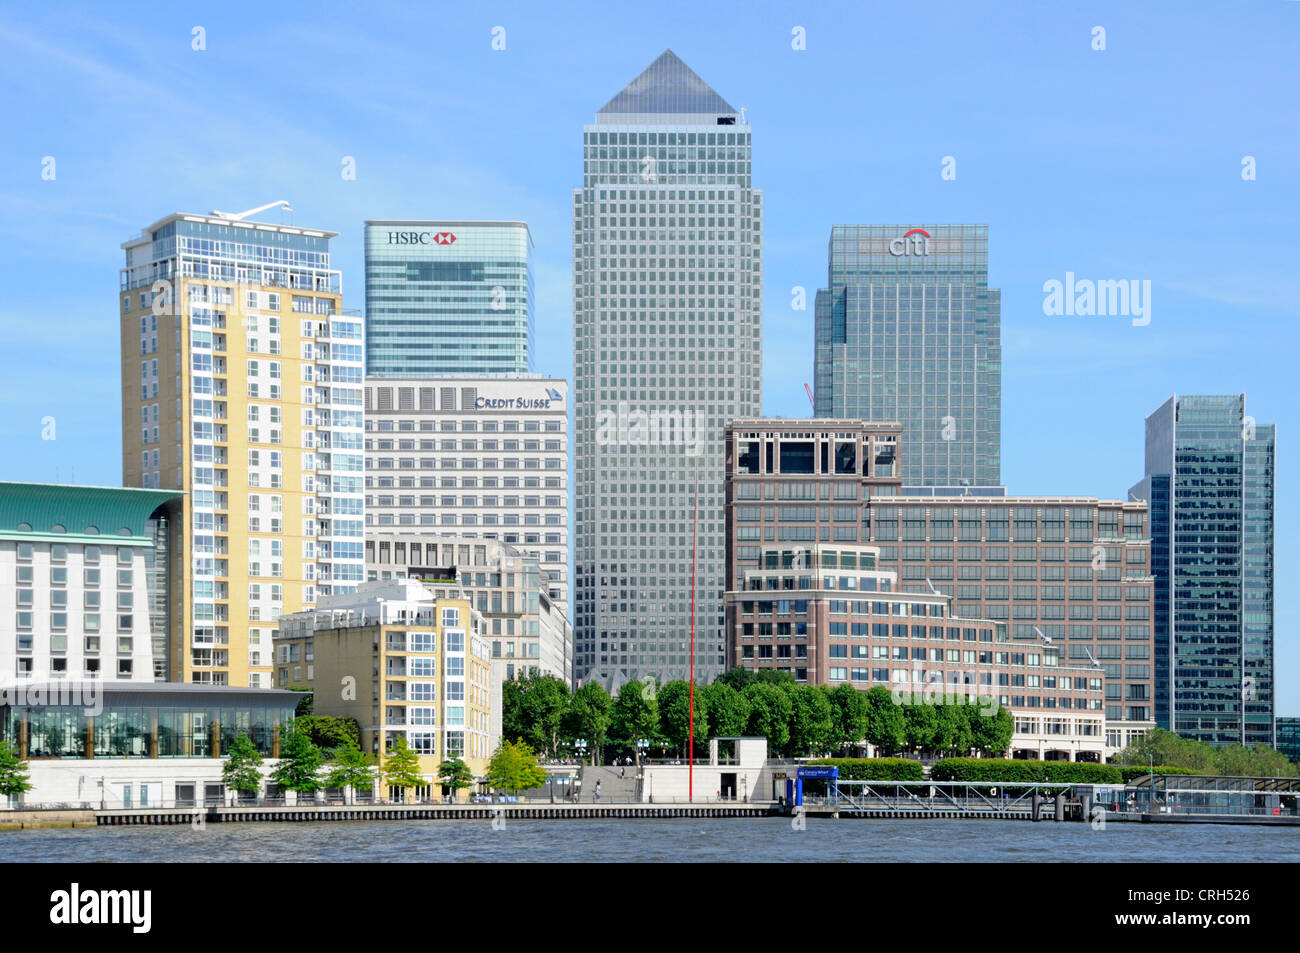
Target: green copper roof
{"x": 62, "y": 509}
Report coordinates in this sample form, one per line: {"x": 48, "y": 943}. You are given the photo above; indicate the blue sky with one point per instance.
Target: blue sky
{"x": 1122, "y": 163}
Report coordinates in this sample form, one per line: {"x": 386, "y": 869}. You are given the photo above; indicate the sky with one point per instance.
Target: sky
{"x": 1119, "y": 163}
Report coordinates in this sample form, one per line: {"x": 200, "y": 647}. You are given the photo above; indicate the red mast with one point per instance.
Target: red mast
{"x": 690, "y": 750}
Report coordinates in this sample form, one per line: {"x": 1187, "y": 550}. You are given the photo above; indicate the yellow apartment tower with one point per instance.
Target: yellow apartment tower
{"x": 242, "y": 386}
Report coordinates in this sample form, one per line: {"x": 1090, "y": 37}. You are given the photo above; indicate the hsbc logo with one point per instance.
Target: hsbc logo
{"x": 421, "y": 238}
{"x": 914, "y": 242}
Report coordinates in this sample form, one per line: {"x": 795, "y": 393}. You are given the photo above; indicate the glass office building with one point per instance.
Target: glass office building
{"x": 448, "y": 298}
{"x": 908, "y": 330}
{"x": 1209, "y": 480}
{"x": 667, "y": 324}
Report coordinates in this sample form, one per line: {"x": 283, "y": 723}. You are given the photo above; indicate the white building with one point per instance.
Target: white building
{"x": 84, "y": 583}
{"x": 477, "y": 458}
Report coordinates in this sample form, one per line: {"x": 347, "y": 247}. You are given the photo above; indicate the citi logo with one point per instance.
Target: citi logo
{"x": 75, "y": 906}
{"x": 914, "y": 242}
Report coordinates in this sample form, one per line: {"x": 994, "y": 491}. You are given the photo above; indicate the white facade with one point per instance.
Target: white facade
{"x": 477, "y": 458}
{"x": 74, "y": 610}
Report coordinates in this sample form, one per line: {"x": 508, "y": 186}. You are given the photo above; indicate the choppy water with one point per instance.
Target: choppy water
{"x": 670, "y": 840}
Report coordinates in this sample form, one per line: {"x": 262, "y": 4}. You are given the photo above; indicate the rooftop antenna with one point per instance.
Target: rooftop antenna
{"x": 931, "y": 585}
{"x": 240, "y": 216}
{"x": 742, "y": 114}
{"x": 1046, "y": 638}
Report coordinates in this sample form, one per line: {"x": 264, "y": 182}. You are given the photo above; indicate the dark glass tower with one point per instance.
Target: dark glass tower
{"x": 667, "y": 322}
{"x": 1209, "y": 479}
{"x": 908, "y": 330}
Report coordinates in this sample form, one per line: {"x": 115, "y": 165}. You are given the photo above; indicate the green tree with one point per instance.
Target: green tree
{"x": 514, "y": 767}
{"x": 1257, "y": 761}
{"x": 812, "y": 720}
{"x": 307, "y": 702}
{"x": 241, "y": 772}
{"x": 401, "y": 767}
{"x": 775, "y": 676}
{"x": 14, "y": 779}
{"x": 350, "y": 767}
{"x": 950, "y": 727}
{"x": 329, "y": 732}
{"x": 989, "y": 733}
{"x": 588, "y": 716}
{"x": 849, "y": 717}
{"x": 728, "y": 709}
{"x": 535, "y": 710}
{"x": 673, "y": 702}
{"x": 635, "y": 714}
{"x": 886, "y": 731}
{"x": 769, "y": 714}
{"x": 920, "y": 726}
{"x": 300, "y": 760}
{"x": 736, "y": 678}
{"x": 455, "y": 774}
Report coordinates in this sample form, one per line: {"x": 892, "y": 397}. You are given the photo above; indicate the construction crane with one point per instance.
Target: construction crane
{"x": 808, "y": 390}
{"x": 240, "y": 216}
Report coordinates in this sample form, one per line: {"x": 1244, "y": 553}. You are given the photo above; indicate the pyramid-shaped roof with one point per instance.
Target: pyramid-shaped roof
{"x": 667, "y": 86}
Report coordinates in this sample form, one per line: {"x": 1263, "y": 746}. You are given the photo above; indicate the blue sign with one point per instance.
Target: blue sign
{"x": 820, "y": 773}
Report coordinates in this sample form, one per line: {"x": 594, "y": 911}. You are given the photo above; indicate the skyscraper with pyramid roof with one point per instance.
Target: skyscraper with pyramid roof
{"x": 667, "y": 269}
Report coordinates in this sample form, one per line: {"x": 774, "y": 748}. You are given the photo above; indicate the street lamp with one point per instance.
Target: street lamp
{"x": 642, "y": 746}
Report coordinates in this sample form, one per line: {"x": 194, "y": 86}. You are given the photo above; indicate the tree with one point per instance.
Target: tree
{"x": 885, "y": 728}
{"x": 329, "y": 732}
{"x": 455, "y": 774}
{"x": 14, "y": 779}
{"x": 920, "y": 726}
{"x": 242, "y": 770}
{"x": 728, "y": 709}
{"x": 674, "y": 702}
{"x": 775, "y": 676}
{"x": 990, "y": 733}
{"x": 300, "y": 759}
{"x": 307, "y": 702}
{"x": 769, "y": 714}
{"x": 350, "y": 767}
{"x": 514, "y": 767}
{"x": 635, "y": 714}
{"x": 401, "y": 767}
{"x": 849, "y": 716}
{"x": 811, "y": 719}
{"x": 588, "y": 716}
{"x": 533, "y": 707}
{"x": 738, "y": 679}
{"x": 950, "y": 726}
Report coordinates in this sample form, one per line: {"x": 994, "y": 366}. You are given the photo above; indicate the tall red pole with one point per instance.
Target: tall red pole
{"x": 690, "y": 750}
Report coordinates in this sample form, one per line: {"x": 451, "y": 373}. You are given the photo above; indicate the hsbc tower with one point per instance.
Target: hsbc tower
{"x": 448, "y": 298}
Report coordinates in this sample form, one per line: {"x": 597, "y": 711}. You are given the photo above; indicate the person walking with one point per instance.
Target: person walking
{"x": 598, "y": 792}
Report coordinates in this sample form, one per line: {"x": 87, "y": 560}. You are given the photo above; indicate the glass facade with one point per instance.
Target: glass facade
{"x": 908, "y": 330}
{"x": 448, "y": 298}
{"x": 1209, "y": 477}
{"x": 667, "y": 347}
{"x": 147, "y": 725}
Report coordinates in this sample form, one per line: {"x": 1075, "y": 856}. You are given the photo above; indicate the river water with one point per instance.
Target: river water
{"x": 667, "y": 840}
